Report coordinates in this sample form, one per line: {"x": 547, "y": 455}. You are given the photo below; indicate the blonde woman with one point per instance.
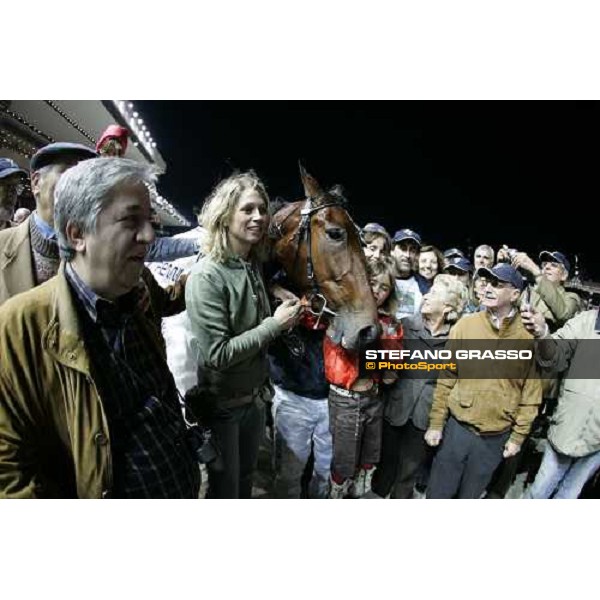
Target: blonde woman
{"x": 232, "y": 326}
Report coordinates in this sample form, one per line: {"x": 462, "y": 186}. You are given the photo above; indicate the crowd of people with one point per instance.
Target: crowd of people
{"x": 131, "y": 365}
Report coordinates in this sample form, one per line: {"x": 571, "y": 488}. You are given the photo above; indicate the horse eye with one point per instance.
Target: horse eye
{"x": 335, "y": 234}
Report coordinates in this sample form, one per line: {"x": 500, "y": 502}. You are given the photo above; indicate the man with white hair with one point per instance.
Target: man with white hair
{"x": 483, "y": 257}
{"x": 88, "y": 407}
{"x": 20, "y": 215}
{"x": 409, "y": 398}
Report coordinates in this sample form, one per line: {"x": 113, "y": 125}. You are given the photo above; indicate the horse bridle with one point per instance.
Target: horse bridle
{"x": 304, "y": 229}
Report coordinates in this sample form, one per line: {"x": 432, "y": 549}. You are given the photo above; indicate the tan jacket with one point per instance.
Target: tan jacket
{"x": 16, "y": 262}
{"x": 489, "y": 405}
{"x": 54, "y": 437}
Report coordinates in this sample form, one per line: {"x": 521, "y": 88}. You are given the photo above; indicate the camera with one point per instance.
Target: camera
{"x": 205, "y": 447}
{"x": 509, "y": 254}
{"x": 200, "y": 438}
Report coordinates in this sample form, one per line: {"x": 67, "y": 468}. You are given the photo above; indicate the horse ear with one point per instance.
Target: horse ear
{"x": 312, "y": 189}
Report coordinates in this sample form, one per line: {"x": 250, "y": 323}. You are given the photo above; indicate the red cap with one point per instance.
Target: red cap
{"x": 113, "y": 131}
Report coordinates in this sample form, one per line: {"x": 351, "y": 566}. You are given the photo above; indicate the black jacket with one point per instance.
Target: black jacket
{"x": 296, "y": 363}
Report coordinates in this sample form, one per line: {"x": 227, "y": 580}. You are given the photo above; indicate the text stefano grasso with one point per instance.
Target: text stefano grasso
{"x": 448, "y": 354}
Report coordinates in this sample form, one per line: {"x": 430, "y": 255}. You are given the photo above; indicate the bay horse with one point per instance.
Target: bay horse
{"x": 317, "y": 244}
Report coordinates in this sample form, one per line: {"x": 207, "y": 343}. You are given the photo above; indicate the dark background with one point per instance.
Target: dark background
{"x": 459, "y": 173}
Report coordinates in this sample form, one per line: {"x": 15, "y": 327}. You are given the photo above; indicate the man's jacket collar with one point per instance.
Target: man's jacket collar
{"x": 63, "y": 338}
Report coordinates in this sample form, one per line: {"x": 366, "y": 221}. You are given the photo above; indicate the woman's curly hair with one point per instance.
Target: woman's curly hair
{"x": 217, "y": 212}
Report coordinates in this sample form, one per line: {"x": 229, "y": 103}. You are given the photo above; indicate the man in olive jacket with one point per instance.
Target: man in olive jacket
{"x": 548, "y": 295}
{"x": 88, "y": 407}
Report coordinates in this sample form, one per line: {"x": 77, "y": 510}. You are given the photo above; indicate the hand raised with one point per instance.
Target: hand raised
{"x": 534, "y": 322}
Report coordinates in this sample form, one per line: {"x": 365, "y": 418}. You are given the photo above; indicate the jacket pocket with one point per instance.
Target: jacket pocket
{"x": 497, "y": 409}
{"x": 466, "y": 399}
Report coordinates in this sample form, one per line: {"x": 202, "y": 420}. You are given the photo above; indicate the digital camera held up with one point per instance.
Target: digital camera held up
{"x": 506, "y": 254}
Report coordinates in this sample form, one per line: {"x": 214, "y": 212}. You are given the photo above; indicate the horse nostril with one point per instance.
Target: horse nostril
{"x": 367, "y": 335}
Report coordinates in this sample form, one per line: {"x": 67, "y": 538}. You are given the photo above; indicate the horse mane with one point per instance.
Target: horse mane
{"x": 276, "y": 205}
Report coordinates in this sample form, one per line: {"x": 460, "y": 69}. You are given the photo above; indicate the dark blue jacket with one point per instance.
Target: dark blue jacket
{"x": 424, "y": 284}
{"x": 296, "y": 363}
{"x": 166, "y": 249}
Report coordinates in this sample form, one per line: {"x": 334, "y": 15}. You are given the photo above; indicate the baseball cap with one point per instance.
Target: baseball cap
{"x": 503, "y": 272}
{"x": 113, "y": 131}
{"x": 9, "y": 167}
{"x": 559, "y": 257}
{"x": 53, "y": 153}
{"x": 453, "y": 253}
{"x": 460, "y": 263}
{"x": 407, "y": 234}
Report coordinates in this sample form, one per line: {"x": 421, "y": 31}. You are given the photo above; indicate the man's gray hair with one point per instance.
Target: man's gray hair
{"x": 87, "y": 188}
{"x": 488, "y": 249}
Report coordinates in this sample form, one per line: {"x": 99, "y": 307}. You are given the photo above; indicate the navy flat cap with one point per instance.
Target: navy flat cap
{"x": 53, "y": 153}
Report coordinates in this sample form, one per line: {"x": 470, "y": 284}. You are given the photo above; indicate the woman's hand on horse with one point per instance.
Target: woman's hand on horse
{"x": 288, "y": 313}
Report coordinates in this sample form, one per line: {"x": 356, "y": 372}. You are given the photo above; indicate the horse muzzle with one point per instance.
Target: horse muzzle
{"x": 354, "y": 331}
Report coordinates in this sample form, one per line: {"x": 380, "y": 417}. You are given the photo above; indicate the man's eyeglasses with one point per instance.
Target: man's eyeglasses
{"x": 499, "y": 285}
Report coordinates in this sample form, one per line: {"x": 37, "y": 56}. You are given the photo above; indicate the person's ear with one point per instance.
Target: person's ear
{"x": 35, "y": 183}
{"x": 75, "y": 237}
{"x": 563, "y": 275}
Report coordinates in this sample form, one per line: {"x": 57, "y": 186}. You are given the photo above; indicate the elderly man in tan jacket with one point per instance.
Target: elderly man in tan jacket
{"x": 29, "y": 252}
{"x": 482, "y": 420}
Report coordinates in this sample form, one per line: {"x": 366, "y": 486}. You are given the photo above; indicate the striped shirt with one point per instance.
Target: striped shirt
{"x": 150, "y": 454}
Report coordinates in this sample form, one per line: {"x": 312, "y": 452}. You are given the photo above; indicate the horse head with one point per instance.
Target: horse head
{"x": 318, "y": 246}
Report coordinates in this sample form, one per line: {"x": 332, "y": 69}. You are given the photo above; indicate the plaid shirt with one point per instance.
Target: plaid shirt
{"x": 150, "y": 454}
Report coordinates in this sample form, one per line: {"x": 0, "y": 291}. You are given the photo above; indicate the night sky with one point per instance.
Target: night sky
{"x": 459, "y": 173}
